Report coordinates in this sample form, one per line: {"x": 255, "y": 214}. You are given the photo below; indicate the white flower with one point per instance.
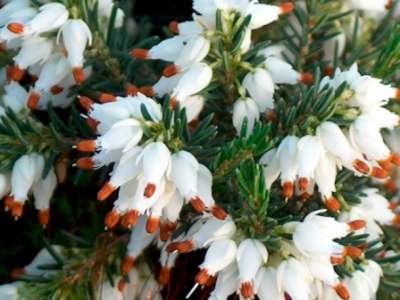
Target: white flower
{"x": 271, "y": 167}
{"x": 9, "y": 291}
{"x": 76, "y": 37}
{"x": 184, "y": 162}
{"x": 195, "y": 50}
{"x": 294, "y": 279}
{"x": 15, "y": 96}
{"x": 266, "y": 285}
{"x": 382, "y": 117}
{"x": 263, "y": 14}
{"x": 281, "y": 72}
{"x": 110, "y": 292}
{"x": 168, "y": 50}
{"x": 260, "y": 86}
{"x": 104, "y": 10}
{"x": 245, "y": 109}
{"x": 34, "y": 50}
{"x": 227, "y": 282}
{"x": 287, "y": 152}
{"x": 251, "y": 255}
{"x": 194, "y": 79}
{"x": 5, "y": 184}
{"x": 11, "y": 7}
{"x": 219, "y": 255}
{"x": 193, "y": 106}
{"x": 335, "y": 46}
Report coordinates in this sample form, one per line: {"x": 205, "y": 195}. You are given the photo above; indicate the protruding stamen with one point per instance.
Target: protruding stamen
{"x": 79, "y": 75}
{"x": 131, "y": 90}
{"x": 44, "y": 217}
{"x": 17, "y": 209}
{"x": 246, "y": 290}
{"x": 86, "y": 102}
{"x": 307, "y": 78}
{"x": 147, "y": 90}
{"x": 8, "y": 202}
{"x": 127, "y": 264}
{"x": 86, "y": 146}
{"x": 33, "y": 100}
{"x": 92, "y": 123}
{"x": 166, "y": 229}
{"x": 111, "y": 220}
{"x": 130, "y": 219}
{"x": 218, "y": 212}
{"x": 395, "y": 158}
{"x": 105, "y": 98}
{"x": 361, "y": 166}
{"x": 198, "y": 204}
{"x": 396, "y": 220}
{"x": 352, "y": 251}
{"x": 174, "y": 27}
{"x": 149, "y": 190}
{"x": 287, "y": 189}
{"x": 172, "y": 103}
{"x": 389, "y": 5}
{"x": 393, "y": 205}
{"x": 85, "y": 163}
{"x": 121, "y": 285}
{"x": 56, "y": 89}
{"x": 386, "y": 164}
{"x": 202, "y": 277}
{"x": 286, "y": 7}
{"x": 357, "y": 225}
{"x": 303, "y": 184}
{"x": 337, "y": 260}
{"x": 105, "y": 191}
{"x": 181, "y": 247}
{"x": 14, "y": 73}
{"x": 379, "y": 173}
{"x": 332, "y": 204}
{"x": 164, "y": 276}
{"x": 152, "y": 224}
{"x": 342, "y": 291}
{"x": 328, "y": 71}
{"x": 397, "y": 94}
{"x": 140, "y": 53}
{"x": 171, "y": 70}
{"x": 16, "y": 28}
{"x": 172, "y": 247}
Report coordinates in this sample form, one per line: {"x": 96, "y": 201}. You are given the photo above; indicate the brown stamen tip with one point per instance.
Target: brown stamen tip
{"x": 246, "y": 290}
{"x": 171, "y": 70}
{"x": 287, "y": 189}
{"x": 121, "y": 285}
{"x": 397, "y": 96}
{"x": 386, "y": 164}
{"x": 86, "y": 102}
{"x": 92, "y": 123}
{"x": 352, "y": 251}
{"x": 131, "y": 90}
{"x": 305, "y": 196}
{"x": 342, "y": 291}
{"x": 379, "y": 173}
{"x": 152, "y": 224}
{"x": 105, "y": 191}
{"x": 111, "y": 220}
{"x": 185, "y": 246}
{"x": 361, "y": 166}
{"x": 130, "y": 219}
{"x": 198, "y": 204}
{"x": 393, "y": 205}
{"x": 44, "y": 217}
{"x": 8, "y": 202}
{"x": 332, "y": 204}
{"x": 390, "y": 186}
{"x": 287, "y": 296}
{"x": 16, "y": 28}
{"x": 56, "y": 89}
{"x": 86, "y": 146}
{"x": 17, "y": 209}
{"x": 105, "y": 98}
{"x": 79, "y": 75}
{"x": 140, "y": 53}
{"x": 166, "y": 230}
{"x": 307, "y": 78}
{"x": 34, "y": 78}
{"x": 17, "y": 273}
{"x": 173, "y": 103}
{"x": 303, "y": 184}
{"x": 172, "y": 247}
{"x": 85, "y": 163}
{"x": 3, "y": 47}
{"x": 149, "y": 190}
{"x": 127, "y": 264}
{"x": 396, "y": 220}
{"x": 389, "y": 5}
{"x": 147, "y": 90}
{"x": 174, "y": 27}
{"x": 33, "y": 100}
{"x": 14, "y": 73}
{"x": 337, "y": 260}
{"x": 328, "y": 71}
{"x": 395, "y": 159}
{"x": 194, "y": 124}
{"x": 164, "y": 276}
{"x": 286, "y": 7}
{"x": 271, "y": 115}
{"x": 218, "y": 212}
{"x": 357, "y": 225}
{"x": 202, "y": 277}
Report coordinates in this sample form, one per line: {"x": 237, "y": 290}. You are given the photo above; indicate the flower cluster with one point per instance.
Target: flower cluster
{"x": 315, "y": 159}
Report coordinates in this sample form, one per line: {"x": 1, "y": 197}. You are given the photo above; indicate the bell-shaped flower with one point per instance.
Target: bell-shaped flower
{"x": 266, "y": 284}
{"x": 281, "y": 72}
{"x": 260, "y": 86}
{"x": 134, "y": 105}
{"x": 195, "y": 50}
{"x": 251, "y": 255}
{"x": 227, "y": 283}
{"x": 287, "y": 152}
{"x": 382, "y": 117}
{"x": 76, "y": 37}
{"x": 104, "y": 11}
{"x": 263, "y": 14}
{"x": 219, "y": 255}
{"x": 5, "y": 184}
{"x": 15, "y": 96}
{"x": 271, "y": 167}
{"x": 9, "y": 291}
{"x": 43, "y": 190}
{"x": 245, "y": 109}
{"x": 11, "y": 7}
{"x": 184, "y": 173}
{"x": 167, "y": 50}
{"x": 51, "y": 16}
